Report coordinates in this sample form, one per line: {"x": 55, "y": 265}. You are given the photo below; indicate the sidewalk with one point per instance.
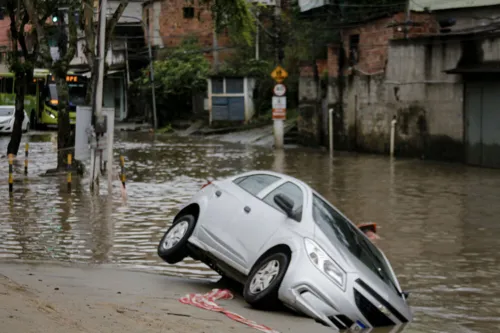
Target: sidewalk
{"x": 46, "y": 298}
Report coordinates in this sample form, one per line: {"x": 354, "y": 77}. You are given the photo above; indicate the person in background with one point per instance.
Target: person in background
{"x": 370, "y": 230}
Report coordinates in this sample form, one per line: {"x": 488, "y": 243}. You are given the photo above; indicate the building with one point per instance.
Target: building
{"x": 435, "y": 75}
{"x": 127, "y": 53}
{"x": 172, "y": 21}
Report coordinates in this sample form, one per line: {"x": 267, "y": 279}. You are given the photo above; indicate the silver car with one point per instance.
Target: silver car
{"x": 288, "y": 245}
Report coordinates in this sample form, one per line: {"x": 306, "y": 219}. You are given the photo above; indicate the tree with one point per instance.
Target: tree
{"x": 22, "y": 64}
{"x": 181, "y": 74}
{"x": 39, "y": 11}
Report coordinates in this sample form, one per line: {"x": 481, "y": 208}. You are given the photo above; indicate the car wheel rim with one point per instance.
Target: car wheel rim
{"x": 264, "y": 277}
{"x": 175, "y": 235}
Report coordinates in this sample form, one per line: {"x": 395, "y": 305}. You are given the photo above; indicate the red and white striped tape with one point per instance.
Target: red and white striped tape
{"x": 207, "y": 302}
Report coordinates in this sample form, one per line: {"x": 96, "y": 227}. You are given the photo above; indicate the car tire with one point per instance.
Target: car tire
{"x": 260, "y": 295}
{"x": 173, "y": 247}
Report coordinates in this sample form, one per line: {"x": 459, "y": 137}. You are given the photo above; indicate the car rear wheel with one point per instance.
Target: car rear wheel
{"x": 173, "y": 245}
{"x": 263, "y": 283}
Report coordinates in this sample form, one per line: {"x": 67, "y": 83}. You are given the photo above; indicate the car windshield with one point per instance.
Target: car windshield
{"x": 5, "y": 112}
{"x": 77, "y": 93}
{"x": 335, "y": 226}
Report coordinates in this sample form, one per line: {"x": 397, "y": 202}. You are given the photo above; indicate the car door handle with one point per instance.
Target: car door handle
{"x": 247, "y": 209}
{"x": 218, "y": 193}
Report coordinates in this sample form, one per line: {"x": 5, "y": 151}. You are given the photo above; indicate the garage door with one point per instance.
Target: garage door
{"x": 482, "y": 113}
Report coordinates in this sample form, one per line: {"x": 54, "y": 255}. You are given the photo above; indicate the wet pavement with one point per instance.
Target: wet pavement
{"x": 438, "y": 222}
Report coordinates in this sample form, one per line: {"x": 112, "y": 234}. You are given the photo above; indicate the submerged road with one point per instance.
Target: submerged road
{"x": 438, "y": 223}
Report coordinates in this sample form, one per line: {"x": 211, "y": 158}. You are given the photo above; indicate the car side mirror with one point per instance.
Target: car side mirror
{"x": 285, "y": 203}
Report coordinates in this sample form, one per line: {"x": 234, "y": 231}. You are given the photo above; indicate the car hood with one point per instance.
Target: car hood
{"x": 5, "y": 118}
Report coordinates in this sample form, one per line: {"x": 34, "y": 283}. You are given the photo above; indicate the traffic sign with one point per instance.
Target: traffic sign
{"x": 279, "y": 114}
{"x": 279, "y": 90}
{"x": 279, "y": 102}
{"x": 279, "y": 74}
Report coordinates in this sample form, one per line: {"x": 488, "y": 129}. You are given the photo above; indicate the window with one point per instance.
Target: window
{"x": 217, "y": 86}
{"x": 293, "y": 192}
{"x": 32, "y": 88}
{"x": 335, "y": 226}
{"x": 188, "y": 12}
{"x": 6, "y": 85}
{"x": 256, "y": 183}
{"x": 234, "y": 86}
{"x": 353, "y": 49}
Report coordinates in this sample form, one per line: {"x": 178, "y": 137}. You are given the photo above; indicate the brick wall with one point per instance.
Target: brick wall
{"x": 174, "y": 25}
{"x": 374, "y": 37}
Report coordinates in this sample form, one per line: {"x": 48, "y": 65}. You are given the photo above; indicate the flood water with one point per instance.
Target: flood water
{"x": 438, "y": 222}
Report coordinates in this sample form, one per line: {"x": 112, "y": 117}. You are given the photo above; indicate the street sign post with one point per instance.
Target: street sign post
{"x": 279, "y": 74}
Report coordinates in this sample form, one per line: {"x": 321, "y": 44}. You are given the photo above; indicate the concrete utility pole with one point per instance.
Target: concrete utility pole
{"x": 102, "y": 56}
{"x": 99, "y": 88}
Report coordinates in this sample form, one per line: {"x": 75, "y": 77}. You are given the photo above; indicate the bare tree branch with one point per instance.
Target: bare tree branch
{"x": 73, "y": 35}
{"x": 43, "y": 44}
{"x": 90, "y": 32}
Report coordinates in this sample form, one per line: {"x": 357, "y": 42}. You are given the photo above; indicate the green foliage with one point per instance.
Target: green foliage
{"x": 185, "y": 70}
{"x": 244, "y": 67}
{"x": 233, "y": 15}
{"x": 166, "y": 129}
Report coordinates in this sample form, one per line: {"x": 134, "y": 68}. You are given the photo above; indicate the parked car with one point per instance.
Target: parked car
{"x": 7, "y": 119}
{"x": 287, "y": 244}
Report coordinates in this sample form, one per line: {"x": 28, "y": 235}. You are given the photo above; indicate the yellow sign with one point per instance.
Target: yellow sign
{"x": 279, "y": 74}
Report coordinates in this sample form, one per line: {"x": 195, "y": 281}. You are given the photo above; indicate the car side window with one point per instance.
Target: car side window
{"x": 255, "y": 183}
{"x": 293, "y": 192}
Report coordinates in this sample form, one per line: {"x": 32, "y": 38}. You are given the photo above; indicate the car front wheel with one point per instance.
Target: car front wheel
{"x": 173, "y": 246}
{"x": 263, "y": 283}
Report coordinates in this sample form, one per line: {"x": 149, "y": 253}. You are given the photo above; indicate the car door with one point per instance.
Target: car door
{"x": 223, "y": 207}
{"x": 258, "y": 219}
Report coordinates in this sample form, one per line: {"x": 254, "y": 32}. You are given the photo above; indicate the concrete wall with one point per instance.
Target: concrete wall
{"x": 467, "y": 18}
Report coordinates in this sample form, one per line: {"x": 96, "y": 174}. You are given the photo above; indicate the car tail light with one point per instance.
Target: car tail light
{"x": 209, "y": 183}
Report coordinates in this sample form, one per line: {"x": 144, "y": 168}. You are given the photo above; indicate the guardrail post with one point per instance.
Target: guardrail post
{"x": 26, "y": 152}
{"x": 69, "y": 172}
{"x": 122, "y": 172}
{"x": 11, "y": 171}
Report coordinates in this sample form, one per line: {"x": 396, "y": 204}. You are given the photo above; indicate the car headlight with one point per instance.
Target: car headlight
{"x": 51, "y": 115}
{"x": 325, "y": 264}
{"x": 4, "y": 122}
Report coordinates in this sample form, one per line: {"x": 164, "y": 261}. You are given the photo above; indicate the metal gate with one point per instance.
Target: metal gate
{"x": 482, "y": 123}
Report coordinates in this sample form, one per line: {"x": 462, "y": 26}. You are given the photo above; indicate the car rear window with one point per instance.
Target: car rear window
{"x": 255, "y": 183}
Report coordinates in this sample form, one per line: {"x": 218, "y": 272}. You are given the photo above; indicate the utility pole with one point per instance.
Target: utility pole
{"x": 407, "y": 18}
{"x": 257, "y": 36}
{"x": 102, "y": 56}
{"x": 277, "y": 17}
{"x": 97, "y": 112}
{"x": 215, "y": 47}
{"x": 152, "y": 74}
